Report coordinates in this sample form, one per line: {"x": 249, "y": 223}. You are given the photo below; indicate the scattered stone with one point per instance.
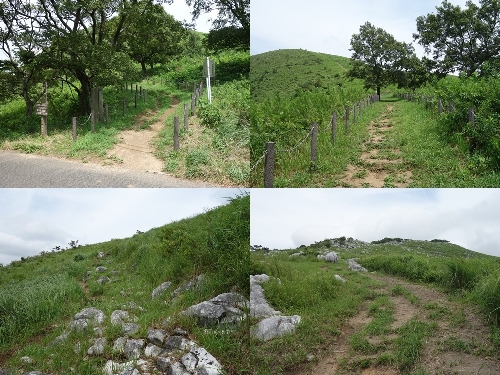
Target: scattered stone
{"x": 122, "y": 293}
{"x": 103, "y": 280}
{"x": 310, "y": 357}
{"x": 226, "y": 308}
{"x": 101, "y": 269}
{"x": 87, "y": 275}
{"x": 91, "y": 313}
{"x": 332, "y": 257}
{"x": 98, "y": 347}
{"x": 192, "y": 284}
{"x": 161, "y": 289}
{"x": 321, "y": 257}
{"x": 354, "y": 266}
{"x": 98, "y": 331}
{"x": 339, "y": 278}
{"x": 34, "y": 373}
{"x": 130, "y": 372}
{"x": 130, "y": 328}
{"x": 177, "y": 368}
{"x": 118, "y": 317}
{"x": 179, "y": 343}
{"x": 156, "y": 336}
{"x": 154, "y": 351}
{"x": 180, "y": 332}
{"x": 163, "y": 363}
{"x": 259, "y": 307}
{"x": 77, "y": 347}
{"x": 59, "y": 339}
{"x": 274, "y": 326}
{"x": 111, "y": 367}
{"x": 27, "y": 359}
{"x": 133, "y": 348}
{"x": 198, "y": 359}
{"x": 100, "y": 255}
{"x": 119, "y": 344}
{"x": 78, "y": 325}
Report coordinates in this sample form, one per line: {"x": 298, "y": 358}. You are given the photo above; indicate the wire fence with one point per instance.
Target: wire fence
{"x": 269, "y": 155}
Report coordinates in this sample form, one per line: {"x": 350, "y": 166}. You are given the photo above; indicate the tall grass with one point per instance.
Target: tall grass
{"x": 27, "y": 307}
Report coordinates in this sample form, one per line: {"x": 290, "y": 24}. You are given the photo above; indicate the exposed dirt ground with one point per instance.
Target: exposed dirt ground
{"x": 459, "y": 344}
{"x": 134, "y": 150}
{"x": 379, "y": 165}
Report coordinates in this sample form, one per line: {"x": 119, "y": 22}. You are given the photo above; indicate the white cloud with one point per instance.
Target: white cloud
{"x": 37, "y": 220}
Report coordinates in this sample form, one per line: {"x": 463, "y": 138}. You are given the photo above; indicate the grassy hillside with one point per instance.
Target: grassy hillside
{"x": 411, "y": 312}
{"x": 39, "y": 295}
{"x": 290, "y": 70}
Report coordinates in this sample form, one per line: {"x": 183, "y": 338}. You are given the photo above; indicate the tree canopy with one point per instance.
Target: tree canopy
{"x": 378, "y": 58}
{"x": 461, "y": 39}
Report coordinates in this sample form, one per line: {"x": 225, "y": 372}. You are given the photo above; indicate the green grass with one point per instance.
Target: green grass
{"x": 34, "y": 308}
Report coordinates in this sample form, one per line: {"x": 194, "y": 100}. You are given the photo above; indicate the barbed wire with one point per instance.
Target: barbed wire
{"x": 298, "y": 144}
{"x": 88, "y": 119}
{"x": 258, "y": 161}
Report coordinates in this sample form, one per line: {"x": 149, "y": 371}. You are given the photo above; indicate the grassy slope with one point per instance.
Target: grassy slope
{"x": 288, "y": 70}
{"x": 40, "y": 295}
{"x": 309, "y": 289}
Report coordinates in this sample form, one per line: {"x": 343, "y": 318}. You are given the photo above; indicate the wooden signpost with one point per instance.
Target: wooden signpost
{"x": 43, "y": 111}
{"x": 209, "y": 71}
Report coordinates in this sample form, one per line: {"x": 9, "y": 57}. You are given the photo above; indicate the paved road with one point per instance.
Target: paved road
{"x": 19, "y": 170}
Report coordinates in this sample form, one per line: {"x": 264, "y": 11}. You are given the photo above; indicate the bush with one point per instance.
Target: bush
{"x": 79, "y": 257}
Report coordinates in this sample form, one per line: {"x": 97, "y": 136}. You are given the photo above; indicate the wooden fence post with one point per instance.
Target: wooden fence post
{"x": 346, "y": 119}
{"x": 185, "y": 116}
{"x": 144, "y": 95}
{"x": 334, "y": 126}
{"x": 314, "y": 142}
{"x": 74, "y": 129}
{"x": 92, "y": 121}
{"x": 354, "y": 113}
{"x": 176, "y": 133}
{"x": 123, "y": 107}
{"x": 269, "y": 165}
{"x": 192, "y": 104}
{"x": 135, "y": 100}
{"x": 106, "y": 113}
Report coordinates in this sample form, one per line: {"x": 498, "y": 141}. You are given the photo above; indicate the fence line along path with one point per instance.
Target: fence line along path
{"x": 134, "y": 150}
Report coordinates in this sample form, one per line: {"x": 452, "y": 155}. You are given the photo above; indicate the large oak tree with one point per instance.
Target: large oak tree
{"x": 378, "y": 58}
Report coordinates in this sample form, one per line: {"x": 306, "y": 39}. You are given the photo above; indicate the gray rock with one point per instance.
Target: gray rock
{"x": 226, "y": 308}
{"x": 27, "y": 359}
{"x": 198, "y": 359}
{"x": 77, "y": 347}
{"x": 274, "y": 326}
{"x": 161, "y": 289}
{"x": 98, "y": 347}
{"x": 354, "y": 266}
{"x": 100, "y": 255}
{"x": 101, "y": 269}
{"x": 154, "y": 351}
{"x": 98, "y": 331}
{"x": 177, "y": 368}
{"x": 179, "y": 343}
{"x": 119, "y": 344}
{"x": 59, "y": 339}
{"x": 78, "y": 325}
{"x": 133, "y": 348}
{"x": 259, "y": 307}
{"x": 111, "y": 367}
{"x": 321, "y": 257}
{"x": 180, "y": 332}
{"x": 156, "y": 336}
{"x": 339, "y": 278}
{"x": 332, "y": 257}
{"x": 34, "y": 373}
{"x": 91, "y": 313}
{"x": 118, "y": 317}
{"x": 103, "y": 280}
{"x": 192, "y": 284}
{"x": 130, "y": 372}
{"x": 130, "y": 328}
{"x": 163, "y": 363}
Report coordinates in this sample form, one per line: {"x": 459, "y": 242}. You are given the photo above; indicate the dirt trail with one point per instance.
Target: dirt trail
{"x": 459, "y": 344}
{"x": 379, "y": 164}
{"x": 134, "y": 150}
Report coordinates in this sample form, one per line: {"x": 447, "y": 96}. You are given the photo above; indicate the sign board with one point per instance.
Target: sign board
{"x": 210, "y": 70}
{"x": 41, "y": 109}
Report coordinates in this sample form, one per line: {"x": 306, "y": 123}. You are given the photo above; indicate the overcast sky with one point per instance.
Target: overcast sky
{"x": 288, "y": 218}
{"x": 182, "y": 12}
{"x": 327, "y": 25}
{"x": 33, "y": 220}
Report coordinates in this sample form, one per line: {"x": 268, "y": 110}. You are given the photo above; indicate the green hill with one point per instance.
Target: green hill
{"x": 40, "y": 295}
{"x": 289, "y": 70}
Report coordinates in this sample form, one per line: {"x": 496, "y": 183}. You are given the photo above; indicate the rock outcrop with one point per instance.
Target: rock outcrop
{"x": 273, "y": 324}
{"x": 332, "y": 257}
{"x": 354, "y": 266}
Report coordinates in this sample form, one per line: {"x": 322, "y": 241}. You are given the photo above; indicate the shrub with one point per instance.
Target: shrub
{"x": 79, "y": 257}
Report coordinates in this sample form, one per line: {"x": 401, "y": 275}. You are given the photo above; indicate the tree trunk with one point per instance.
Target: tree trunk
{"x": 378, "y": 91}
{"x": 83, "y": 93}
{"x": 30, "y": 104}
{"x": 143, "y": 66}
